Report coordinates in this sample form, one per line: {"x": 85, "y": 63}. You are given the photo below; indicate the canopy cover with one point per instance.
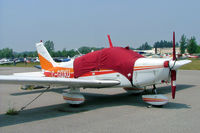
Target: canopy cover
{"x": 119, "y": 59}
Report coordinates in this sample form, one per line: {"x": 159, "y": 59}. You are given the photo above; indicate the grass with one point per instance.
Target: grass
{"x": 28, "y": 87}
{"x": 12, "y": 111}
{"x": 20, "y": 65}
{"x": 194, "y": 65}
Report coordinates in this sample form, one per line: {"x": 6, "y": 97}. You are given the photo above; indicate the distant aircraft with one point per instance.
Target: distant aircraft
{"x": 109, "y": 67}
{"x": 5, "y": 61}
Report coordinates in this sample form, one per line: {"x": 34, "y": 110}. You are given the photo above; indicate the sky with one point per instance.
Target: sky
{"x": 75, "y": 23}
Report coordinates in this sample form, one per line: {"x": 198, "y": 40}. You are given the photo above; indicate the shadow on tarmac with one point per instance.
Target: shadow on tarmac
{"x": 93, "y": 101}
{"x": 35, "y": 91}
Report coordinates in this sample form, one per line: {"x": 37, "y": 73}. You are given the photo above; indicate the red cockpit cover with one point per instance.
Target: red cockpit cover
{"x": 118, "y": 59}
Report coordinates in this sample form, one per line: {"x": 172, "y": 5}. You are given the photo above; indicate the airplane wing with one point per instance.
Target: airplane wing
{"x": 31, "y": 74}
{"x": 50, "y": 81}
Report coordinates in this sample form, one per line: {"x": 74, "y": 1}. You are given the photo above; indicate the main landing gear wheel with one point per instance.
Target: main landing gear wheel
{"x": 73, "y": 97}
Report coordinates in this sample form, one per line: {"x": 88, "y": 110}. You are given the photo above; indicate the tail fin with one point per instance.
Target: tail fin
{"x": 46, "y": 61}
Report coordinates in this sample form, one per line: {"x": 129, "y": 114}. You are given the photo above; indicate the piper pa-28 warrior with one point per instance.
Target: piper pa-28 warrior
{"x": 109, "y": 67}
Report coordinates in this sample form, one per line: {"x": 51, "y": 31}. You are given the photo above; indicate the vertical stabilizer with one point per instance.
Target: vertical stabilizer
{"x": 46, "y": 61}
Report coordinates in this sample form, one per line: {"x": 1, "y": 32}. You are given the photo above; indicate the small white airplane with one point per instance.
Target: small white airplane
{"x": 5, "y": 61}
{"x": 109, "y": 67}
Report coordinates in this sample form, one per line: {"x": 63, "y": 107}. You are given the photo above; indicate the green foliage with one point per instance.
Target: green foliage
{"x": 49, "y": 45}
{"x": 59, "y": 53}
{"x": 164, "y": 44}
{"x": 64, "y": 53}
{"x": 72, "y": 53}
{"x": 192, "y": 46}
{"x": 198, "y": 49}
{"x": 194, "y": 65}
{"x": 183, "y": 43}
{"x": 6, "y": 53}
{"x": 145, "y": 46}
{"x": 25, "y": 54}
{"x": 12, "y": 111}
{"x": 85, "y": 50}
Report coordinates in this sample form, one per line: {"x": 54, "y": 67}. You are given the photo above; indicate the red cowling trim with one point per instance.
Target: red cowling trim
{"x": 118, "y": 59}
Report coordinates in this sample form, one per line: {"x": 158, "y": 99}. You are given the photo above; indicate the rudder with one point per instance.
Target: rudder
{"x": 46, "y": 60}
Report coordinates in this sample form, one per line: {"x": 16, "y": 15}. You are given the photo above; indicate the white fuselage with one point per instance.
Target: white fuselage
{"x": 146, "y": 71}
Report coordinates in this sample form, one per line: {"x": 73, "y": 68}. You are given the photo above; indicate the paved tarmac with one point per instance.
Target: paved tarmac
{"x": 105, "y": 111}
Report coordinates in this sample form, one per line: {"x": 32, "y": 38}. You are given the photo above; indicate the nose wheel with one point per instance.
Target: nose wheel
{"x": 154, "y": 98}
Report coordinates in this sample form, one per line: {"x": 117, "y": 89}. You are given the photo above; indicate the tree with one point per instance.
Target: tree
{"x": 183, "y": 43}
{"x": 59, "y": 54}
{"x": 24, "y": 55}
{"x": 6, "y": 53}
{"x": 198, "y": 49}
{"x": 64, "y": 53}
{"x": 164, "y": 44}
{"x": 49, "y": 46}
{"x": 192, "y": 46}
{"x": 72, "y": 53}
{"x": 84, "y": 50}
{"x": 145, "y": 46}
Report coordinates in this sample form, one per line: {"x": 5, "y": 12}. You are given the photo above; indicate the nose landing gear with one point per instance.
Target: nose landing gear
{"x": 154, "y": 91}
{"x": 155, "y": 99}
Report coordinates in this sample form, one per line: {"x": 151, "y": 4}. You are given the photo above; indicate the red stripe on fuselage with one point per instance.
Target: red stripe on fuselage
{"x": 68, "y": 74}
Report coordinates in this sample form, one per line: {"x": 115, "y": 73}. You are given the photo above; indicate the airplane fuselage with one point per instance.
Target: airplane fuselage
{"x": 146, "y": 71}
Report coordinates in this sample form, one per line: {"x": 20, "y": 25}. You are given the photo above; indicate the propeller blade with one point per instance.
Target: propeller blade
{"x": 173, "y": 72}
{"x": 174, "y": 50}
{"x": 173, "y": 83}
{"x": 110, "y": 42}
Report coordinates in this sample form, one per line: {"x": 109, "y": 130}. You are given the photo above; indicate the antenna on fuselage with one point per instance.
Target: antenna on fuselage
{"x": 110, "y": 42}
{"x": 78, "y": 52}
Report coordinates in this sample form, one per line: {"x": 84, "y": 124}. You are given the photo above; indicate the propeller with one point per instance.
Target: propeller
{"x": 173, "y": 72}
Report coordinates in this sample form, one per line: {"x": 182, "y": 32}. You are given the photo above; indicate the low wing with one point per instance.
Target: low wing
{"x": 49, "y": 81}
{"x": 29, "y": 74}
